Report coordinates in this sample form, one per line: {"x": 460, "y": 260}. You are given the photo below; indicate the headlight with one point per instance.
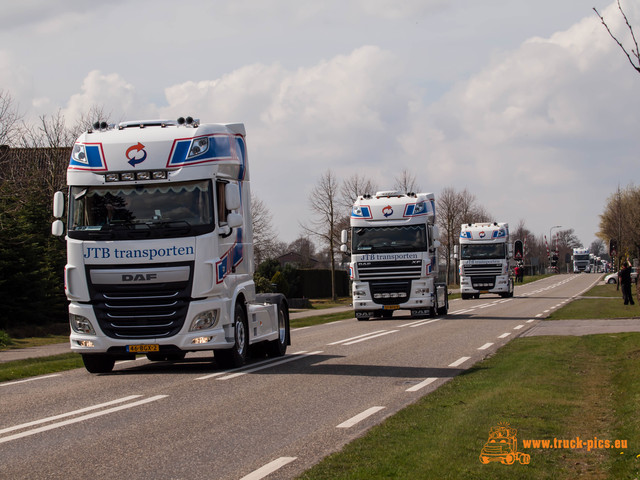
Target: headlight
{"x": 80, "y": 324}
{"x": 198, "y": 147}
{"x": 204, "y": 320}
{"x": 79, "y": 154}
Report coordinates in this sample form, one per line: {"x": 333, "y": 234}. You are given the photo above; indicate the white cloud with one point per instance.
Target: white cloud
{"x": 110, "y": 91}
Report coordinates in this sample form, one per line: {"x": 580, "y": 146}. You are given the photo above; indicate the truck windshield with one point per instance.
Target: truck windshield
{"x": 141, "y": 211}
{"x": 484, "y": 251}
{"x": 389, "y": 239}
{"x": 581, "y": 257}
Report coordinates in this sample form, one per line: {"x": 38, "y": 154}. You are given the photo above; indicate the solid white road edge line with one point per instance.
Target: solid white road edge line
{"x": 80, "y": 419}
{"x": 68, "y": 414}
{"x": 273, "y": 364}
{"x": 29, "y": 380}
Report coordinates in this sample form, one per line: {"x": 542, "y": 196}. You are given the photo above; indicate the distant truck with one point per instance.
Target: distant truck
{"x": 159, "y": 246}
{"x": 486, "y": 258}
{"x": 394, "y": 256}
{"x": 581, "y": 260}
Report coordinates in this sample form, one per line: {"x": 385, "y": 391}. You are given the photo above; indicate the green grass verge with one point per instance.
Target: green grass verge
{"x": 545, "y": 387}
{"x": 602, "y": 301}
{"x": 39, "y": 366}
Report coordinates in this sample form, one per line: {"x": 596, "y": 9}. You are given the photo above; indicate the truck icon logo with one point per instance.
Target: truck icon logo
{"x": 482, "y": 234}
{"x": 502, "y": 446}
{"x": 136, "y": 154}
{"x": 387, "y": 211}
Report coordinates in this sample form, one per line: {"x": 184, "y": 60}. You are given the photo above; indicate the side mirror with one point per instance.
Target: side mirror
{"x": 455, "y": 252}
{"x": 234, "y": 220}
{"x": 57, "y": 228}
{"x": 344, "y": 236}
{"x": 58, "y": 204}
{"x": 343, "y": 248}
{"x": 232, "y": 196}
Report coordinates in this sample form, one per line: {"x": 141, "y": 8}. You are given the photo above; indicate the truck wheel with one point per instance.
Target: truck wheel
{"x": 237, "y": 355}
{"x": 278, "y": 348}
{"x": 98, "y": 363}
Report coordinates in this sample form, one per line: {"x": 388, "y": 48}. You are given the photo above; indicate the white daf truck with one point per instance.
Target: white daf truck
{"x": 394, "y": 262}
{"x": 581, "y": 260}
{"x": 159, "y": 246}
{"x": 486, "y": 258}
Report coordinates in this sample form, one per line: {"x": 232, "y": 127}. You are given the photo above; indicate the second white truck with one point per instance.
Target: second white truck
{"x": 394, "y": 266}
{"x": 486, "y": 258}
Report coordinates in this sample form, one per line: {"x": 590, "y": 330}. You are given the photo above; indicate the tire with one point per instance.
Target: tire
{"x": 277, "y": 348}
{"x": 465, "y": 296}
{"x": 611, "y": 281}
{"x": 98, "y": 363}
{"x": 236, "y": 356}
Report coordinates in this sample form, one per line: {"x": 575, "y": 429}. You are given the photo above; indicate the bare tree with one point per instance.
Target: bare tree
{"x": 9, "y": 119}
{"x": 452, "y": 210}
{"x": 406, "y": 182}
{"x": 264, "y": 236}
{"x": 323, "y": 203}
{"x": 352, "y": 187}
{"x": 634, "y": 56}
{"x": 616, "y": 221}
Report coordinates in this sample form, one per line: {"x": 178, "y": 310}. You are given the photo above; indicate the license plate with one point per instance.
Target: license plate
{"x": 391, "y": 307}
{"x": 484, "y": 291}
{"x": 143, "y": 348}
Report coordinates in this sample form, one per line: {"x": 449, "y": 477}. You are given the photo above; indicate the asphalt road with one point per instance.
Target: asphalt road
{"x": 191, "y": 420}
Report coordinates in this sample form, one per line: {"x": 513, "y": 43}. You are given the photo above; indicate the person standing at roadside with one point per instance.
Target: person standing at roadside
{"x": 624, "y": 281}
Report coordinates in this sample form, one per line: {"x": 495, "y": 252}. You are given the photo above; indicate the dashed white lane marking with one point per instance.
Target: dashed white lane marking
{"x": 485, "y": 346}
{"x": 422, "y": 384}
{"x": 518, "y": 327}
{"x": 459, "y": 362}
{"x": 360, "y": 417}
{"x": 505, "y": 335}
{"x": 269, "y": 468}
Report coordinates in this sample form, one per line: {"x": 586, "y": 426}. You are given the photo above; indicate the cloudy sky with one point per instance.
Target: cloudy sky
{"x": 530, "y": 106}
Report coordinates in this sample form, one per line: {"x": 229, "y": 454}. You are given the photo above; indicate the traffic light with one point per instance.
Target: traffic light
{"x": 518, "y": 250}
{"x": 613, "y": 248}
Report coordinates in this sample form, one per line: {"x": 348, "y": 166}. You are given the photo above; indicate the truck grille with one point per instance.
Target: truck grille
{"x": 405, "y": 269}
{"x": 152, "y": 310}
{"x": 485, "y": 269}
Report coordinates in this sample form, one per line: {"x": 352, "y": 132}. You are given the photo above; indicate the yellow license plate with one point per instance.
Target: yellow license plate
{"x": 143, "y": 348}
{"x": 391, "y": 307}
{"x": 484, "y": 291}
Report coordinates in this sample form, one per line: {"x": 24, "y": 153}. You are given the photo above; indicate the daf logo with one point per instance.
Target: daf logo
{"x": 139, "y": 277}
